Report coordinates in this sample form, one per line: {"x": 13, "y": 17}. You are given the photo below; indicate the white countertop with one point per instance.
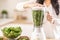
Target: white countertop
{"x": 27, "y": 29}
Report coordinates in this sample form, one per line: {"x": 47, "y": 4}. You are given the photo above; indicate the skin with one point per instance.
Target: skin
{"x": 29, "y": 5}
{"x": 49, "y": 18}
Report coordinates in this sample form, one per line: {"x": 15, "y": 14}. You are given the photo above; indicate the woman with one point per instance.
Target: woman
{"x": 51, "y": 16}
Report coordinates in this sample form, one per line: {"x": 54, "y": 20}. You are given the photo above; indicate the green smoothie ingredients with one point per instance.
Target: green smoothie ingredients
{"x": 38, "y": 16}
{"x": 1, "y": 38}
{"x": 11, "y": 32}
{"x": 23, "y": 38}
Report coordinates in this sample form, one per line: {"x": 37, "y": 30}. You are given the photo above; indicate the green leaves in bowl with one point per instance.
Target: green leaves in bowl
{"x": 23, "y": 38}
{"x": 12, "y": 32}
{"x": 1, "y": 38}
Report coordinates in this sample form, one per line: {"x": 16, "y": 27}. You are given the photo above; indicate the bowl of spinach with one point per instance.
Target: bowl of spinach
{"x": 12, "y": 32}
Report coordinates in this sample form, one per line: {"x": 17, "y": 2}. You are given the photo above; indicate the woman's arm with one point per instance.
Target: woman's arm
{"x": 30, "y": 5}
{"x": 53, "y": 20}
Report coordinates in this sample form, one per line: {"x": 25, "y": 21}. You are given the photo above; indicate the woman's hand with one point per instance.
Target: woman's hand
{"x": 37, "y": 4}
{"x": 49, "y": 17}
{"x": 29, "y": 5}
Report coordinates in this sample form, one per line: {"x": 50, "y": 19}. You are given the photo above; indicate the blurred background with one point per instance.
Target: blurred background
{"x": 13, "y": 12}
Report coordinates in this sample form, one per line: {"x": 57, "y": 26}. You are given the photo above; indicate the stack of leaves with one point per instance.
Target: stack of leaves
{"x": 12, "y": 32}
{"x": 38, "y": 16}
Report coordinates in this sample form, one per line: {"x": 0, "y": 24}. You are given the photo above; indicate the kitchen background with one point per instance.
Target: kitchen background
{"x": 15, "y": 12}
{"x": 12, "y": 7}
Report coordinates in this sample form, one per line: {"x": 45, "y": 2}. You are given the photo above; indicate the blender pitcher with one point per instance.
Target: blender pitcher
{"x": 38, "y": 16}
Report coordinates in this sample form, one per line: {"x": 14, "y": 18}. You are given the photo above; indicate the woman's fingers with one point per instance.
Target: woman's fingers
{"x": 37, "y": 4}
{"x": 49, "y": 18}
{"x": 27, "y": 5}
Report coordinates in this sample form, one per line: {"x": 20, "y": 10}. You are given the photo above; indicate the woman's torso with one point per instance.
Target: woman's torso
{"x": 48, "y": 27}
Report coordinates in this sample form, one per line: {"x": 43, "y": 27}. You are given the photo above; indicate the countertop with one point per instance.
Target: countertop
{"x": 23, "y": 25}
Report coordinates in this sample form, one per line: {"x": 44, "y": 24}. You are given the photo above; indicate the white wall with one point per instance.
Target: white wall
{"x": 9, "y": 5}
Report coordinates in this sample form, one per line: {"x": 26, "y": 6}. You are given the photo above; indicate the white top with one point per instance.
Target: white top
{"x": 49, "y": 27}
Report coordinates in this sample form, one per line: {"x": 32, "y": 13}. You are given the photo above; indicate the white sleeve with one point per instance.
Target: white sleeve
{"x": 57, "y": 21}
{"x": 19, "y": 6}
